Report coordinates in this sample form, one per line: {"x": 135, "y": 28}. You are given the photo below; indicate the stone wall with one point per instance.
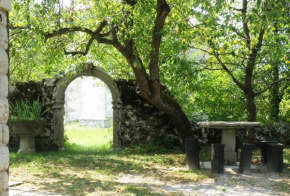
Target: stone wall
{"x": 42, "y": 91}
{"x": 140, "y": 122}
{"x": 5, "y": 6}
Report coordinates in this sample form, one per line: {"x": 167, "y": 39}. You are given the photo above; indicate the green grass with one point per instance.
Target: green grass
{"x": 89, "y": 137}
{"x": 88, "y": 166}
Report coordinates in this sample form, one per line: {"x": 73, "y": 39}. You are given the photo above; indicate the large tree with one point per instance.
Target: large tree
{"x": 245, "y": 38}
{"x": 133, "y": 28}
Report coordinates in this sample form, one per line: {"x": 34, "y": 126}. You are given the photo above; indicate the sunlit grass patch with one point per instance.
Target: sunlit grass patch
{"x": 84, "y": 136}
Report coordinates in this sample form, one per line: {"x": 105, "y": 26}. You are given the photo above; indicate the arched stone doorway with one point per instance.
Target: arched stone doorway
{"x": 59, "y": 95}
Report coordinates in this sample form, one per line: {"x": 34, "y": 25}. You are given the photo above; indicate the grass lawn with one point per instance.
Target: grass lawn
{"x": 89, "y": 137}
{"x": 88, "y": 166}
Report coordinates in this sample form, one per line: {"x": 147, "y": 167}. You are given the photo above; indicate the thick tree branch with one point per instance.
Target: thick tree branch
{"x": 245, "y": 24}
{"x": 127, "y": 51}
{"x": 80, "y": 52}
{"x": 238, "y": 33}
{"x": 272, "y": 84}
{"x": 20, "y": 27}
{"x": 252, "y": 59}
{"x": 64, "y": 31}
{"x": 131, "y": 2}
{"x": 162, "y": 12}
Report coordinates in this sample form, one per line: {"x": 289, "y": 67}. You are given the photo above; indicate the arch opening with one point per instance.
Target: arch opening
{"x": 88, "y": 113}
{"x": 59, "y": 102}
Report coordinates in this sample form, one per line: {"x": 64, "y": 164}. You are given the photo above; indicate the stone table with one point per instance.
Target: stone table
{"x": 229, "y": 135}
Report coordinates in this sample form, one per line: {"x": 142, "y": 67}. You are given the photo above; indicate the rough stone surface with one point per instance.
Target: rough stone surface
{"x": 1, "y": 181}
{"x": 4, "y": 134}
{"x": 280, "y": 131}
{"x": 3, "y": 18}
{"x": 229, "y": 125}
{"x": 4, "y": 110}
{"x": 4, "y": 154}
{"x": 4, "y": 85}
{"x": 5, "y": 5}
{"x": 140, "y": 122}
{"x": 5, "y": 181}
{"x": 3, "y": 62}
{"x": 42, "y": 91}
{"x": 3, "y": 38}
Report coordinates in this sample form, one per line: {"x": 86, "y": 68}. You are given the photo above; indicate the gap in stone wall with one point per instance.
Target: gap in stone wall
{"x": 88, "y": 113}
{"x": 88, "y": 101}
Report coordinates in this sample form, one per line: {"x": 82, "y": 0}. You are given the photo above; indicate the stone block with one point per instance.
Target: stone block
{"x": 1, "y": 181}
{"x": 4, "y": 110}
{"x": 3, "y": 18}
{"x": 3, "y": 37}
{"x": 4, "y": 161}
{"x": 5, "y": 134}
{"x": 5, "y": 5}
{"x": 6, "y": 193}
{"x": 3, "y": 85}
{"x": 3, "y": 61}
{"x": 5, "y": 181}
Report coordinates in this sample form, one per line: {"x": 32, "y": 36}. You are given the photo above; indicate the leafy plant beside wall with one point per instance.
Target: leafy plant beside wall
{"x": 27, "y": 113}
{"x": 26, "y": 122}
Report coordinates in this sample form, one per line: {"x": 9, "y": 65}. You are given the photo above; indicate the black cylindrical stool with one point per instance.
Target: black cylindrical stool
{"x": 192, "y": 153}
{"x": 264, "y": 146}
{"x": 246, "y": 158}
{"x": 275, "y": 158}
{"x": 217, "y": 158}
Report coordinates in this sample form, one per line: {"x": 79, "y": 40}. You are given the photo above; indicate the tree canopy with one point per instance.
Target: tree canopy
{"x": 210, "y": 54}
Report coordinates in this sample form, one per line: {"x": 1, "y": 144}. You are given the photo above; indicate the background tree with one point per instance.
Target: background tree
{"x": 239, "y": 38}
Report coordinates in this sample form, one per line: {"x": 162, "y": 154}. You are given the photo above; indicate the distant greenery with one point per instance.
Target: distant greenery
{"x": 88, "y": 137}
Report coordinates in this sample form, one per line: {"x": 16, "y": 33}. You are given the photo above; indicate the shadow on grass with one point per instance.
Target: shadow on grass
{"x": 77, "y": 169}
{"x": 75, "y": 185}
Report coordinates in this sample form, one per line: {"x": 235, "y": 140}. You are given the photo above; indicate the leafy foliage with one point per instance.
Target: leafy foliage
{"x": 197, "y": 38}
{"x": 25, "y": 110}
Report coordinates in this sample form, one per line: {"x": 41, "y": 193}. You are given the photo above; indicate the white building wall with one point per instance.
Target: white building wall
{"x": 5, "y": 6}
{"x": 89, "y": 102}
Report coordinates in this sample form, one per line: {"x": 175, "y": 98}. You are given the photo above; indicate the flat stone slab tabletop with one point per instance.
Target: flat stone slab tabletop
{"x": 229, "y": 135}
{"x": 229, "y": 124}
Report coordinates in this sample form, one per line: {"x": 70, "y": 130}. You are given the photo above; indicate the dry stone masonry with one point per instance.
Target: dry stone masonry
{"x": 5, "y": 6}
{"x": 139, "y": 122}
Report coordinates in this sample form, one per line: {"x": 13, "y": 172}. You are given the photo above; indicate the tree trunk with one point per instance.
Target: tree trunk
{"x": 275, "y": 99}
{"x": 170, "y": 106}
{"x": 251, "y": 106}
{"x": 252, "y": 114}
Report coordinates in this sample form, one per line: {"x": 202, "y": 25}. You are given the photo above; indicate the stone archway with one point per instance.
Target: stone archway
{"x": 59, "y": 94}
